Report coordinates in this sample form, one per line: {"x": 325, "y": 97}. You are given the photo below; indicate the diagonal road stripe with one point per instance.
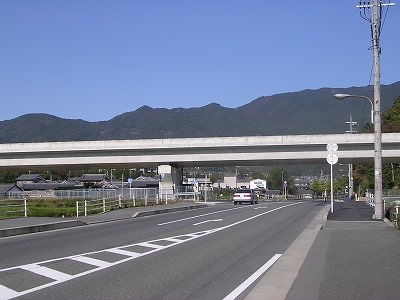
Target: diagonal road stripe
{"x": 47, "y": 272}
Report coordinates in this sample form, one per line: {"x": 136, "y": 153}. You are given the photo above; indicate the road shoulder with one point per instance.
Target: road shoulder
{"x": 278, "y": 280}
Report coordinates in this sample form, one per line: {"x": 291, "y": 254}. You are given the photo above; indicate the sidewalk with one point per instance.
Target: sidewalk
{"x": 339, "y": 255}
{"x": 352, "y": 257}
{"x": 17, "y": 226}
{"x": 351, "y": 211}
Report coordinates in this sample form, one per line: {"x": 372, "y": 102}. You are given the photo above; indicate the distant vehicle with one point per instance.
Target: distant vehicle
{"x": 245, "y": 195}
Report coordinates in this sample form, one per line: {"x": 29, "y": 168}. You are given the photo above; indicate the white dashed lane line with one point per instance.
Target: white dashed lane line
{"x": 25, "y": 279}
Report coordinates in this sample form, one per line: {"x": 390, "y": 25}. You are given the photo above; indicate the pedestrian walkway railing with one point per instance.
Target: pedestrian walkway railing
{"x": 388, "y": 195}
{"x": 396, "y": 215}
{"x": 394, "y": 212}
{"x": 13, "y": 207}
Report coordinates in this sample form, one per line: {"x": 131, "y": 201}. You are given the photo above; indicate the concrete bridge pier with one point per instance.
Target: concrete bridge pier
{"x": 170, "y": 177}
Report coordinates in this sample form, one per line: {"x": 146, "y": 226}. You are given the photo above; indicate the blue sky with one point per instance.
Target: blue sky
{"x": 96, "y": 59}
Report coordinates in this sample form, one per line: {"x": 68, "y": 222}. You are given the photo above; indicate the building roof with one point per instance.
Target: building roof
{"x": 143, "y": 182}
{"x": 4, "y": 188}
{"x": 145, "y": 178}
{"x": 94, "y": 177}
{"x": 45, "y": 186}
{"x": 30, "y": 177}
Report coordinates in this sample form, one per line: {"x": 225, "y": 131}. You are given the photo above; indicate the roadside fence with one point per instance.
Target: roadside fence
{"x": 16, "y": 207}
{"x": 394, "y": 214}
{"x": 91, "y": 201}
{"x": 391, "y": 204}
{"x": 131, "y": 198}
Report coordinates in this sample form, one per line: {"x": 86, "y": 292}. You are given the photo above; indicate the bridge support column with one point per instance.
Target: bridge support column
{"x": 170, "y": 177}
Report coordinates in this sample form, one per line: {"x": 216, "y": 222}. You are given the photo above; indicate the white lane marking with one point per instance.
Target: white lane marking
{"x": 207, "y": 221}
{"x": 236, "y": 292}
{"x": 92, "y": 261}
{"x": 260, "y": 207}
{"x": 7, "y": 293}
{"x": 174, "y": 240}
{"x": 150, "y": 245}
{"x": 124, "y": 252}
{"x": 256, "y": 216}
{"x": 194, "y": 217}
{"x": 47, "y": 272}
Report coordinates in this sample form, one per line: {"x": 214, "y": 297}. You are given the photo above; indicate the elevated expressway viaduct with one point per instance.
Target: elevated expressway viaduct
{"x": 171, "y": 155}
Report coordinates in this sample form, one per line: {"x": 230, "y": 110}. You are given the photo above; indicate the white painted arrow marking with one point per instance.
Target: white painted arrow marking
{"x": 215, "y": 220}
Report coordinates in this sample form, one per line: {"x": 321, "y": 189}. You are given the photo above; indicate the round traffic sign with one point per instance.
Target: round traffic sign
{"x": 332, "y": 147}
{"x": 332, "y": 158}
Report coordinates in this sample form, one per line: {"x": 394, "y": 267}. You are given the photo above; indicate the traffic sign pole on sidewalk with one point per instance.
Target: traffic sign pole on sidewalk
{"x": 332, "y": 159}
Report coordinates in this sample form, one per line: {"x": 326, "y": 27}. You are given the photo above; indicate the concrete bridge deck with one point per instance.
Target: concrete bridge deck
{"x": 208, "y": 151}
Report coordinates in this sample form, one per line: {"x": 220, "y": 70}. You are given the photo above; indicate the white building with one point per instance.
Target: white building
{"x": 258, "y": 184}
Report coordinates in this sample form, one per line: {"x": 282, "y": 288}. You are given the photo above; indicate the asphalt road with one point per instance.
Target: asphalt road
{"x": 200, "y": 254}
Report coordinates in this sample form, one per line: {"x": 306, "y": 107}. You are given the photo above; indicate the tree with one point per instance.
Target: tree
{"x": 257, "y": 175}
{"x": 319, "y": 186}
{"x": 363, "y": 175}
{"x": 276, "y": 176}
{"x": 391, "y": 118}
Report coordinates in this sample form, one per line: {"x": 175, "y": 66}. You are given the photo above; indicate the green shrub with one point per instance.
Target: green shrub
{"x": 51, "y": 211}
{"x": 51, "y": 207}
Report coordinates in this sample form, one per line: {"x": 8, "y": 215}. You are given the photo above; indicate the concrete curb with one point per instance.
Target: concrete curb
{"x": 39, "y": 228}
{"x": 73, "y": 223}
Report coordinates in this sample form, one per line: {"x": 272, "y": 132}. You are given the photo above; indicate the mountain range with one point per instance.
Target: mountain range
{"x": 303, "y": 112}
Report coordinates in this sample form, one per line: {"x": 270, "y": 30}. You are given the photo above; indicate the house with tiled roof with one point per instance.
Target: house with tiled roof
{"x": 9, "y": 189}
{"x": 29, "y": 178}
{"x": 96, "y": 181}
{"x": 145, "y": 182}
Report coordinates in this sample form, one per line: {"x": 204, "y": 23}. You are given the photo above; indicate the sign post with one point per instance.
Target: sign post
{"x": 285, "y": 189}
{"x": 332, "y": 159}
{"x": 130, "y": 180}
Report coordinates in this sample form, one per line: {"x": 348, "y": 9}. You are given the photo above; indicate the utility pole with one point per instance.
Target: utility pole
{"x": 378, "y": 196}
{"x": 351, "y": 124}
{"x": 375, "y": 23}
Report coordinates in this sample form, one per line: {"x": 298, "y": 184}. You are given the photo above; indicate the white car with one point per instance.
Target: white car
{"x": 245, "y": 195}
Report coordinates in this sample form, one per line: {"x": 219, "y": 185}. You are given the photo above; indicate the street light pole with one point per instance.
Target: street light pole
{"x": 344, "y": 96}
{"x": 376, "y": 120}
{"x": 375, "y": 21}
